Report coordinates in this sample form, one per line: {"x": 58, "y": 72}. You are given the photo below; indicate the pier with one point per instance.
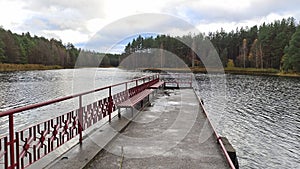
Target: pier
{"x": 156, "y": 121}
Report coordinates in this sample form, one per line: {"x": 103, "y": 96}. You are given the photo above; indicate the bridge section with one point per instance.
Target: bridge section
{"x": 172, "y": 133}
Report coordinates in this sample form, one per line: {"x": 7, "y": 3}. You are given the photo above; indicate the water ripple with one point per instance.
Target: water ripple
{"x": 260, "y": 118}
{"x": 28, "y": 87}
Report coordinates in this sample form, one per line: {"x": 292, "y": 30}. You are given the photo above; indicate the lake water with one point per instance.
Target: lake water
{"x": 28, "y": 87}
{"x": 260, "y": 115}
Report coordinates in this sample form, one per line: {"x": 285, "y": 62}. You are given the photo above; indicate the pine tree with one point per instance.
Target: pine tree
{"x": 2, "y": 57}
{"x": 291, "y": 59}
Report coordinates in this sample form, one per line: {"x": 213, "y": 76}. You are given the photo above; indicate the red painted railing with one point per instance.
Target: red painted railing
{"x": 178, "y": 80}
{"x": 20, "y": 149}
{"x": 228, "y": 159}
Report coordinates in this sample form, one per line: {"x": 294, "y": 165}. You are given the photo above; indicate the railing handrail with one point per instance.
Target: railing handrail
{"x": 10, "y": 142}
{"x": 217, "y": 136}
{"x": 41, "y": 104}
{"x": 181, "y": 79}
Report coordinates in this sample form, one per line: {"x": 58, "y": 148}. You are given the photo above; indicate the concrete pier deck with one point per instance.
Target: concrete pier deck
{"x": 171, "y": 133}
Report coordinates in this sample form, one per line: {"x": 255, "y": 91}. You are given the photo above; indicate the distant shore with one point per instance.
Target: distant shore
{"x": 233, "y": 70}
{"x": 5, "y": 67}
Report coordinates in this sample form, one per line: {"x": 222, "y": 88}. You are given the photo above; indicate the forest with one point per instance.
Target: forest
{"x": 27, "y": 49}
{"x": 274, "y": 45}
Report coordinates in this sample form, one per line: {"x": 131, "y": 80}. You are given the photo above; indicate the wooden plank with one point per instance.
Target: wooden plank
{"x": 157, "y": 85}
{"x": 135, "y": 99}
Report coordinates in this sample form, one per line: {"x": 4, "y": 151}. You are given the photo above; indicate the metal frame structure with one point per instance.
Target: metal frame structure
{"x": 19, "y": 149}
{"x": 177, "y": 80}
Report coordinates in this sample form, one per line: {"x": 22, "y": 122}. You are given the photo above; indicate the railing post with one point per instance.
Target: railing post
{"x": 13, "y": 151}
{"x": 80, "y": 119}
{"x": 191, "y": 82}
{"x": 11, "y": 141}
{"x": 6, "y": 150}
{"x": 176, "y": 79}
{"x": 110, "y": 104}
{"x": 17, "y": 150}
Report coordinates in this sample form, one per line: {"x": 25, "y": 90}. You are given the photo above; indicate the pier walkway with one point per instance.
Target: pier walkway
{"x": 171, "y": 131}
{"x": 165, "y": 135}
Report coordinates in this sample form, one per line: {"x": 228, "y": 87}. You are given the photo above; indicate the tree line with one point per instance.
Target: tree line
{"x": 274, "y": 45}
{"x": 27, "y": 49}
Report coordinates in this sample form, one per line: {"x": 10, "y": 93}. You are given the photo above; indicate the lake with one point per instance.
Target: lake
{"x": 260, "y": 115}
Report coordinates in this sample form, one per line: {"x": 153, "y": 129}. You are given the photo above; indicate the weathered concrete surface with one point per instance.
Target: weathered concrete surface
{"x": 172, "y": 133}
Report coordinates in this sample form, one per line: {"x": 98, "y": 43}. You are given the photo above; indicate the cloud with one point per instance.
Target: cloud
{"x": 61, "y": 14}
{"x": 115, "y": 34}
{"x": 61, "y": 19}
{"x": 68, "y": 35}
{"x": 231, "y": 26}
{"x": 77, "y": 8}
{"x": 77, "y": 21}
{"x": 12, "y": 14}
{"x": 197, "y": 11}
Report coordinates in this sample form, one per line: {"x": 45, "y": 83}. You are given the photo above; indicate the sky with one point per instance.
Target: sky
{"x": 102, "y": 22}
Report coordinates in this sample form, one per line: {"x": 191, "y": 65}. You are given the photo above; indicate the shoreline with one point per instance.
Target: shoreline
{"x": 7, "y": 67}
{"x": 239, "y": 71}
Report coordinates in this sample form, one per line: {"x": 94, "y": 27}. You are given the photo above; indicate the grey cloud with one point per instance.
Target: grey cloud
{"x": 61, "y": 14}
{"x": 256, "y": 9}
{"x": 115, "y": 33}
{"x": 86, "y": 9}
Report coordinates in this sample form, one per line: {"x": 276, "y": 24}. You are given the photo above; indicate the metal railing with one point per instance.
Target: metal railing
{"x": 19, "y": 149}
{"x": 22, "y": 148}
{"x": 228, "y": 159}
{"x": 177, "y": 80}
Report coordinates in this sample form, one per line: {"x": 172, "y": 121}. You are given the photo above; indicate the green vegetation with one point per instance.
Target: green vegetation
{"x": 18, "y": 67}
{"x": 25, "y": 49}
{"x": 232, "y": 70}
{"x": 251, "y": 71}
{"x": 35, "y": 52}
{"x": 291, "y": 59}
{"x": 259, "y": 47}
{"x": 230, "y": 63}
